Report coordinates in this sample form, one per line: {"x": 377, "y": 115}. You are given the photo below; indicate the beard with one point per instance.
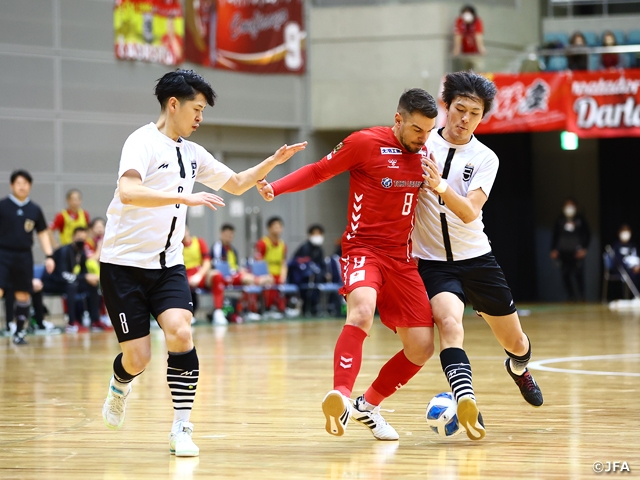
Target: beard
{"x": 409, "y": 147}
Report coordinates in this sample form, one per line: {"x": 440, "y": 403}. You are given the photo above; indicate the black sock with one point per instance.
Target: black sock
{"x": 182, "y": 377}
{"x": 119, "y": 373}
{"x": 456, "y": 367}
{"x": 520, "y": 363}
{"x": 22, "y": 314}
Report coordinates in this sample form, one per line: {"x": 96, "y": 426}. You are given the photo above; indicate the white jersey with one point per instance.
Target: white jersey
{"x": 439, "y": 234}
{"x": 151, "y": 238}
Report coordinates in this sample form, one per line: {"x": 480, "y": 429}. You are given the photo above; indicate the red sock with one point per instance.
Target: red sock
{"x": 347, "y": 358}
{"x": 393, "y": 375}
{"x": 217, "y": 290}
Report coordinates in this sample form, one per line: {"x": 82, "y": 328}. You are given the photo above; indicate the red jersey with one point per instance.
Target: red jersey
{"x": 468, "y": 32}
{"x": 383, "y": 190}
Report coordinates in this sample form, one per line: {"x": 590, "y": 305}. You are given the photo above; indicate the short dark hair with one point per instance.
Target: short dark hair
{"x": 315, "y": 226}
{"x": 273, "y": 220}
{"x": 95, "y": 220}
{"x": 79, "y": 229}
{"x": 184, "y": 85}
{"x": 471, "y": 85}
{"x": 417, "y": 100}
{"x": 469, "y": 8}
{"x": 72, "y": 191}
{"x": 227, "y": 226}
{"x": 21, "y": 173}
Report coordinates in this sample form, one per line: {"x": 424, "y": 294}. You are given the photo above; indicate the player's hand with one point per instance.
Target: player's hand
{"x": 49, "y": 265}
{"x": 432, "y": 177}
{"x": 203, "y": 198}
{"x": 265, "y": 189}
{"x": 195, "y": 280}
{"x": 285, "y": 152}
{"x": 92, "y": 279}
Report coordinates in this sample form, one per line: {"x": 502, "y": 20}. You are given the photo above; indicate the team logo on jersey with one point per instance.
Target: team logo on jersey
{"x": 390, "y": 151}
{"x": 194, "y": 165}
{"x": 164, "y": 165}
{"x": 387, "y": 182}
{"x": 468, "y": 171}
{"x": 335, "y": 150}
{"x": 392, "y": 163}
{"x": 28, "y": 225}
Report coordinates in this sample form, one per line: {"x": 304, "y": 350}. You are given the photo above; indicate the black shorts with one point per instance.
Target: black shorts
{"x": 132, "y": 294}
{"x": 478, "y": 281}
{"x": 16, "y": 270}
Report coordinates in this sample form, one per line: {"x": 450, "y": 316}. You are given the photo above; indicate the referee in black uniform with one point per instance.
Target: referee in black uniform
{"x": 19, "y": 217}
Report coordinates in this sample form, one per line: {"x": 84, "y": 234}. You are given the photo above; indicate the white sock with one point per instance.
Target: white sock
{"x": 517, "y": 368}
{"x": 181, "y": 416}
{"x": 123, "y": 387}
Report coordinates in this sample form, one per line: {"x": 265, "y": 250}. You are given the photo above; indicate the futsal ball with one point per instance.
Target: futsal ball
{"x": 442, "y": 415}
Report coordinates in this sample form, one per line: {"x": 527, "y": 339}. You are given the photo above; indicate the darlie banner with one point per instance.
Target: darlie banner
{"x": 591, "y": 104}
{"x": 262, "y": 36}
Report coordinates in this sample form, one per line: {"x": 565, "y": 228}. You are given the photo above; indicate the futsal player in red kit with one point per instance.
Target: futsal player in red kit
{"x": 386, "y": 176}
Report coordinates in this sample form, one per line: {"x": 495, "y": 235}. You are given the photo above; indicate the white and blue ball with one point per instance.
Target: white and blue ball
{"x": 442, "y": 415}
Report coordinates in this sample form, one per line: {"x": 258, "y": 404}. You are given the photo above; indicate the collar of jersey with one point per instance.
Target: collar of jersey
{"x": 18, "y": 202}
{"x": 469, "y": 144}
{"x": 167, "y": 140}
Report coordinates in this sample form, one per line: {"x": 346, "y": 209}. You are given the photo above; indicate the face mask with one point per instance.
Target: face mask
{"x": 467, "y": 17}
{"x": 316, "y": 240}
{"x": 79, "y": 245}
{"x": 625, "y": 236}
{"x": 569, "y": 211}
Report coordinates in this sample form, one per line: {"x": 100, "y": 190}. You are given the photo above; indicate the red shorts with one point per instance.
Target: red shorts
{"x": 402, "y": 300}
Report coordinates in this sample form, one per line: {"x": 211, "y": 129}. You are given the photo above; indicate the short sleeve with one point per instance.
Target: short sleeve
{"x": 486, "y": 174}
{"x": 458, "y": 28}
{"x": 41, "y": 223}
{"x": 135, "y": 156}
{"x": 211, "y": 172}
{"x": 479, "y": 26}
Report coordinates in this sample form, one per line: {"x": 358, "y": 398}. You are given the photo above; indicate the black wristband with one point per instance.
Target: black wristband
{"x": 49, "y": 256}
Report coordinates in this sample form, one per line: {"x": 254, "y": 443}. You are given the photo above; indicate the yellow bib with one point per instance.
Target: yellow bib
{"x": 192, "y": 254}
{"x": 66, "y": 235}
{"x": 274, "y": 256}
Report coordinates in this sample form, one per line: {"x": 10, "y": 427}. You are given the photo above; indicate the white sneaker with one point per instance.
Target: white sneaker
{"x": 114, "y": 406}
{"x": 373, "y": 420}
{"x": 337, "y": 409}
{"x": 252, "y": 317}
{"x": 180, "y": 442}
{"x": 219, "y": 318}
{"x": 12, "y": 328}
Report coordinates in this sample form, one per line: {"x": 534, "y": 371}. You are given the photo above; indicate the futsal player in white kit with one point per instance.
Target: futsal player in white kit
{"x": 454, "y": 254}
{"x": 142, "y": 271}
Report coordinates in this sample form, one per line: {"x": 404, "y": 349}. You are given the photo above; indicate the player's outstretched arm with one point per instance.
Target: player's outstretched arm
{"x": 132, "y": 192}
{"x": 265, "y": 189}
{"x": 466, "y": 208}
{"x": 243, "y": 181}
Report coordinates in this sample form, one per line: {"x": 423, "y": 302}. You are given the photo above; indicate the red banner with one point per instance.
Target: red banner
{"x": 591, "y": 104}
{"x": 604, "y": 104}
{"x": 262, "y": 36}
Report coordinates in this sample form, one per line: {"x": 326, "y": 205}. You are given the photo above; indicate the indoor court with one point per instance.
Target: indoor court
{"x": 258, "y": 416}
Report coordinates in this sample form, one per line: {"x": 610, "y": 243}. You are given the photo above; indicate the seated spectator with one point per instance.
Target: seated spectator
{"x": 71, "y": 277}
{"x": 307, "y": 267}
{"x": 272, "y": 249}
{"x": 577, "y": 61}
{"x": 468, "y": 40}
{"x": 224, "y": 251}
{"x": 67, "y": 220}
{"x": 610, "y": 60}
{"x": 197, "y": 262}
{"x": 626, "y": 254}
{"x": 93, "y": 247}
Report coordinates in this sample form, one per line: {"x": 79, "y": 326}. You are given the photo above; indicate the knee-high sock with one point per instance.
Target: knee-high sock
{"x": 393, "y": 375}
{"x": 121, "y": 378}
{"x": 347, "y": 358}
{"x": 456, "y": 366}
{"x": 22, "y": 314}
{"x": 217, "y": 290}
{"x": 182, "y": 377}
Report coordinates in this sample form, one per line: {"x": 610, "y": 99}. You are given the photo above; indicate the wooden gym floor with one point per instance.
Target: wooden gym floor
{"x": 258, "y": 416}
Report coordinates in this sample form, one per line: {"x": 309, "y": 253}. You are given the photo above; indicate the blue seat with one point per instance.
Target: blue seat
{"x": 38, "y": 271}
{"x": 633, "y": 38}
{"x": 259, "y": 268}
{"x": 557, "y": 63}
{"x": 552, "y": 37}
